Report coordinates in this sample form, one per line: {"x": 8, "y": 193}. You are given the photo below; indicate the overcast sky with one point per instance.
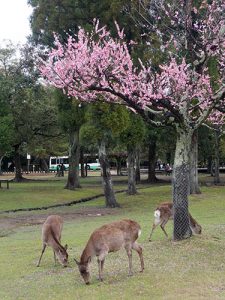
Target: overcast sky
{"x": 14, "y": 20}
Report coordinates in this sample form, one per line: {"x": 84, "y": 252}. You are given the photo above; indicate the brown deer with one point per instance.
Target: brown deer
{"x": 110, "y": 238}
{"x": 164, "y": 212}
{"x": 51, "y": 236}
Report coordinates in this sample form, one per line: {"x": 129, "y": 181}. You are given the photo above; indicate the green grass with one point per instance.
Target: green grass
{"x": 44, "y": 193}
{"x": 191, "y": 269}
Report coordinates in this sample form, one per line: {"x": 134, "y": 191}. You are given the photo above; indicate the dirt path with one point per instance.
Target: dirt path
{"x": 8, "y": 223}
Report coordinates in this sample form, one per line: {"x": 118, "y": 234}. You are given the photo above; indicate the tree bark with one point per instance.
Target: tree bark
{"x": 152, "y": 160}
{"x": 74, "y": 156}
{"x": 118, "y": 166}
{"x": 18, "y": 170}
{"x": 44, "y": 165}
{"x": 1, "y": 158}
{"x": 194, "y": 185}
{"x": 181, "y": 185}
{"x": 82, "y": 167}
{"x": 131, "y": 172}
{"x": 110, "y": 199}
{"x": 217, "y": 157}
{"x": 137, "y": 166}
{"x": 210, "y": 165}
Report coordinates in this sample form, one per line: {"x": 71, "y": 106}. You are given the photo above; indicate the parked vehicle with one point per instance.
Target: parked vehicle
{"x": 54, "y": 161}
{"x": 93, "y": 165}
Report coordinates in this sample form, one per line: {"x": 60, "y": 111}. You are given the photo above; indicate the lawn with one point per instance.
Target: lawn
{"x": 191, "y": 269}
{"x": 39, "y": 193}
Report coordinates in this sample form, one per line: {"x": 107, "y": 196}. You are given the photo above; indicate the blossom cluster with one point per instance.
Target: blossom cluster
{"x": 95, "y": 63}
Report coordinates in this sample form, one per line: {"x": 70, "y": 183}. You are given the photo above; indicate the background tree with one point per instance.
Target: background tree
{"x": 104, "y": 122}
{"x": 6, "y": 130}
{"x": 14, "y": 83}
{"x": 26, "y": 103}
{"x": 46, "y": 131}
{"x": 6, "y": 135}
{"x": 67, "y": 15}
{"x": 132, "y": 137}
{"x": 71, "y": 118}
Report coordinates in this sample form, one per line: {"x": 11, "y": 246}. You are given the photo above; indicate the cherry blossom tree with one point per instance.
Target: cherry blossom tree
{"x": 94, "y": 64}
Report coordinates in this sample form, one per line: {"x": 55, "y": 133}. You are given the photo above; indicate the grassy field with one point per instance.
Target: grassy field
{"x": 191, "y": 269}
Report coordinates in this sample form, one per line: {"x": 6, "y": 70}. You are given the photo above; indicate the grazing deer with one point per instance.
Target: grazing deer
{"x": 164, "y": 212}
{"x": 110, "y": 238}
{"x": 51, "y": 236}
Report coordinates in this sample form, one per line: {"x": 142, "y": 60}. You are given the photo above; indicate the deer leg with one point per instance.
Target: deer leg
{"x": 153, "y": 228}
{"x": 100, "y": 268}
{"x": 54, "y": 257}
{"x": 59, "y": 238}
{"x": 138, "y": 249}
{"x": 42, "y": 252}
{"x": 102, "y": 265}
{"x": 129, "y": 254}
{"x": 101, "y": 260}
{"x": 154, "y": 225}
{"x": 162, "y": 227}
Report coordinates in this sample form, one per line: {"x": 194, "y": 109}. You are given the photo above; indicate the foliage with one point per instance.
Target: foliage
{"x": 104, "y": 121}
{"x": 71, "y": 112}
{"x": 6, "y": 135}
{"x": 48, "y": 138}
{"x": 67, "y": 15}
{"x": 206, "y": 144}
{"x": 133, "y": 135}
{"x": 166, "y": 143}
{"x": 27, "y": 108}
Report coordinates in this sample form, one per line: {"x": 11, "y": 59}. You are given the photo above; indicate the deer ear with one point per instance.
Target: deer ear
{"x": 76, "y": 261}
{"x": 66, "y": 247}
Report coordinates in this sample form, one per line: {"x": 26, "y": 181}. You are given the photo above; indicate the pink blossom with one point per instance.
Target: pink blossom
{"x": 87, "y": 67}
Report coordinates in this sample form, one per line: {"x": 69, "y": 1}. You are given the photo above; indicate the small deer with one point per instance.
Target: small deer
{"x": 164, "y": 212}
{"x": 51, "y": 236}
{"x": 110, "y": 238}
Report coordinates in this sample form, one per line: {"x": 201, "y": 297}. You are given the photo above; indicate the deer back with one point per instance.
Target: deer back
{"x": 164, "y": 211}
{"x": 51, "y": 235}
{"x": 111, "y": 237}
{"x": 52, "y": 226}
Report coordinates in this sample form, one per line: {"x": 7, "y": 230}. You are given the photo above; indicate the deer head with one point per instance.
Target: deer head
{"x": 84, "y": 270}
{"x": 62, "y": 255}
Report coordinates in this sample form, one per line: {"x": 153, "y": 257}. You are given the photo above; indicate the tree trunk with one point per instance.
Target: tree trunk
{"x": 194, "y": 186}
{"x": 82, "y": 167}
{"x": 209, "y": 165}
{"x": 131, "y": 172}
{"x": 152, "y": 160}
{"x": 44, "y": 165}
{"x": 181, "y": 185}
{"x": 110, "y": 199}
{"x": 1, "y": 158}
{"x": 137, "y": 166}
{"x": 118, "y": 166}
{"x": 18, "y": 171}
{"x": 74, "y": 156}
{"x": 217, "y": 157}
